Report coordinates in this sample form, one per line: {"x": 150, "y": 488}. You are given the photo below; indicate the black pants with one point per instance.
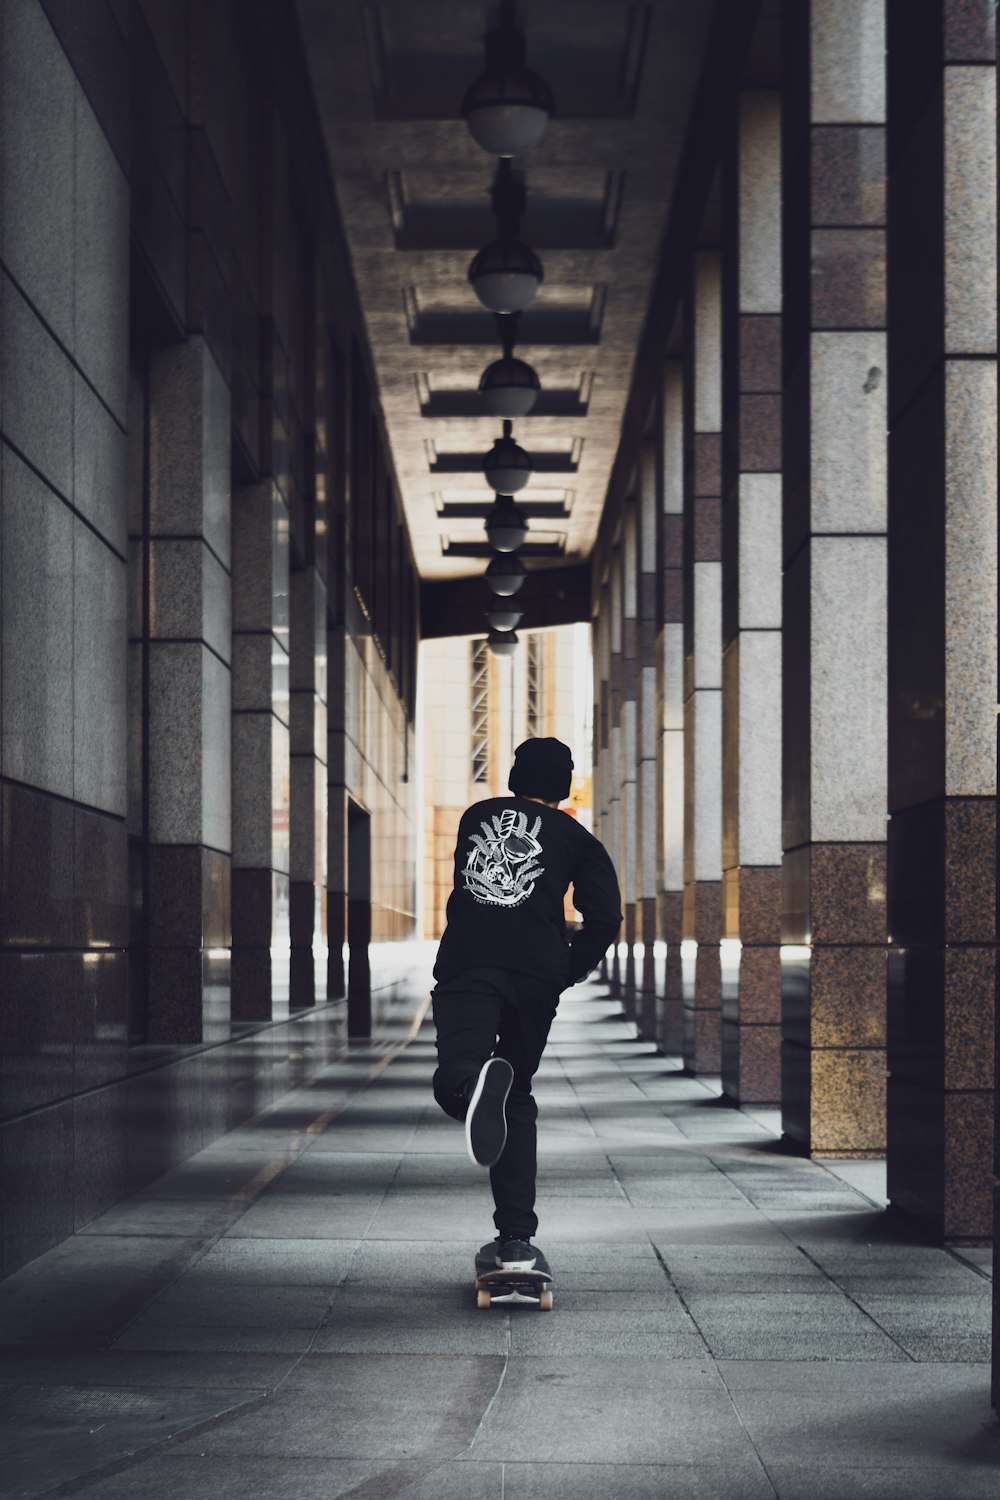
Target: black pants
{"x": 479, "y": 1014}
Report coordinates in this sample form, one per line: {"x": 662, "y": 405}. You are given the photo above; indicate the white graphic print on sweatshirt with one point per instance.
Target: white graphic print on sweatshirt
{"x": 500, "y": 867}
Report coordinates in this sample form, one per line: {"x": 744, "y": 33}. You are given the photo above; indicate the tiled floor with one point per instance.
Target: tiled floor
{"x": 291, "y": 1311}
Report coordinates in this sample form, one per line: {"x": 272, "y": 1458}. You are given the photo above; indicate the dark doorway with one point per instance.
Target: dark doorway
{"x": 359, "y": 920}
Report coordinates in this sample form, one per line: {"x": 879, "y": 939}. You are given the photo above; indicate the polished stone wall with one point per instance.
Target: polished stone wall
{"x": 194, "y": 497}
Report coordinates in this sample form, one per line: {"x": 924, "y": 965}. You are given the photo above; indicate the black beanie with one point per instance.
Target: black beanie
{"x": 542, "y": 768}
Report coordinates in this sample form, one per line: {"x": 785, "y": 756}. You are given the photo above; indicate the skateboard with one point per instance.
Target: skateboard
{"x": 494, "y": 1284}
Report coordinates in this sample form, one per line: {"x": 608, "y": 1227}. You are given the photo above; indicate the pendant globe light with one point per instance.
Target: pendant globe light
{"x": 509, "y": 387}
{"x": 506, "y": 525}
{"x": 505, "y": 574}
{"x": 504, "y": 616}
{"x": 507, "y": 467}
{"x": 505, "y": 275}
{"x": 508, "y": 107}
{"x": 502, "y": 642}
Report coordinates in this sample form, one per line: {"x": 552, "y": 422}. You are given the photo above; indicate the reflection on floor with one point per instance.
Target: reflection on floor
{"x": 291, "y": 1311}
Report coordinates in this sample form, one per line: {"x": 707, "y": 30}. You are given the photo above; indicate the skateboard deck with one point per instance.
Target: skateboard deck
{"x": 499, "y": 1285}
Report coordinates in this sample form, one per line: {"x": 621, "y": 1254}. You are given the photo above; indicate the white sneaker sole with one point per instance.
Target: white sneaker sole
{"x": 477, "y": 1094}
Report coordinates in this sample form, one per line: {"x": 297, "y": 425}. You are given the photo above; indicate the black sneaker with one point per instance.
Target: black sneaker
{"x": 519, "y": 1255}
{"x": 486, "y": 1122}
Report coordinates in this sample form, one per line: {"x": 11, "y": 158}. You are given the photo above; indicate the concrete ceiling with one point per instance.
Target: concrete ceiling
{"x": 413, "y": 190}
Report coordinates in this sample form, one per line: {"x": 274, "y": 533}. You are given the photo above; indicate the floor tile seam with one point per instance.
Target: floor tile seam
{"x": 854, "y": 1302}
{"x": 757, "y": 1207}
{"x": 967, "y": 1264}
{"x": 670, "y": 1280}
{"x": 822, "y": 1270}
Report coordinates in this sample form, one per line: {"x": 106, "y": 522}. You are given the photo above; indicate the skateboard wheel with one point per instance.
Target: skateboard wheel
{"x": 545, "y": 1301}
{"x": 482, "y": 1299}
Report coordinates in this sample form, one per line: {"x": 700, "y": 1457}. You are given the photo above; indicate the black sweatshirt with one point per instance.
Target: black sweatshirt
{"x": 514, "y": 861}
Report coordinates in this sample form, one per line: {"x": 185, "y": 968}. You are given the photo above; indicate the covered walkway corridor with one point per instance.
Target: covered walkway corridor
{"x": 384, "y": 384}
{"x": 290, "y": 1311}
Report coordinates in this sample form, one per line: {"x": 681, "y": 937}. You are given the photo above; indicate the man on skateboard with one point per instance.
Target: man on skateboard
{"x": 503, "y": 960}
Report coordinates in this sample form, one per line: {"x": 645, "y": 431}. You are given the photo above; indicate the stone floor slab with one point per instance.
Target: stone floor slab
{"x": 744, "y": 1479}
{"x": 645, "y": 1412}
{"x": 51, "y": 1435}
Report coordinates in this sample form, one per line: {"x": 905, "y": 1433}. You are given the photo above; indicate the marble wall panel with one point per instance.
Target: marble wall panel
{"x": 99, "y": 676}
{"x": 100, "y": 880}
{"x": 189, "y": 446}
{"x": 189, "y": 594}
{"x": 216, "y": 753}
{"x": 37, "y": 125}
{"x": 759, "y": 546}
{"x": 100, "y": 483}
{"x": 36, "y": 869}
{"x": 970, "y": 666}
{"x": 759, "y": 797}
{"x": 707, "y": 606}
{"x": 36, "y": 626}
{"x": 37, "y": 1029}
{"x": 100, "y": 1013}
{"x": 100, "y": 261}
{"x": 36, "y": 379}
{"x": 970, "y": 227}
{"x": 36, "y": 1158}
{"x": 100, "y": 1154}
{"x": 848, "y": 421}
{"x": 707, "y": 331}
{"x": 848, "y": 679}
{"x": 706, "y": 744}
{"x": 848, "y": 61}
{"x": 759, "y": 189}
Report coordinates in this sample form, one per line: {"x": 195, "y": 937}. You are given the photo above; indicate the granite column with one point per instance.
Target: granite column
{"x": 751, "y": 608}
{"x": 308, "y": 787}
{"x": 614, "y": 782}
{"x": 189, "y": 687}
{"x": 670, "y": 667}
{"x": 629, "y": 738}
{"x": 834, "y": 588}
{"x": 942, "y": 613}
{"x": 260, "y": 752}
{"x": 648, "y": 784}
{"x": 703, "y": 667}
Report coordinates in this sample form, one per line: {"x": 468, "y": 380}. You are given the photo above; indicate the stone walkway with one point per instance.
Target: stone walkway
{"x": 291, "y": 1312}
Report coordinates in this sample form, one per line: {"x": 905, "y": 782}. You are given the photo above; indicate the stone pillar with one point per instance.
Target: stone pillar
{"x": 601, "y": 648}
{"x": 340, "y": 707}
{"x": 942, "y": 613}
{"x": 614, "y": 746}
{"x": 703, "y": 666}
{"x": 834, "y": 590}
{"x": 260, "y": 753}
{"x": 751, "y": 608}
{"x": 629, "y": 722}
{"x": 670, "y": 666}
{"x": 308, "y": 787}
{"x": 189, "y": 696}
{"x": 647, "y": 782}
